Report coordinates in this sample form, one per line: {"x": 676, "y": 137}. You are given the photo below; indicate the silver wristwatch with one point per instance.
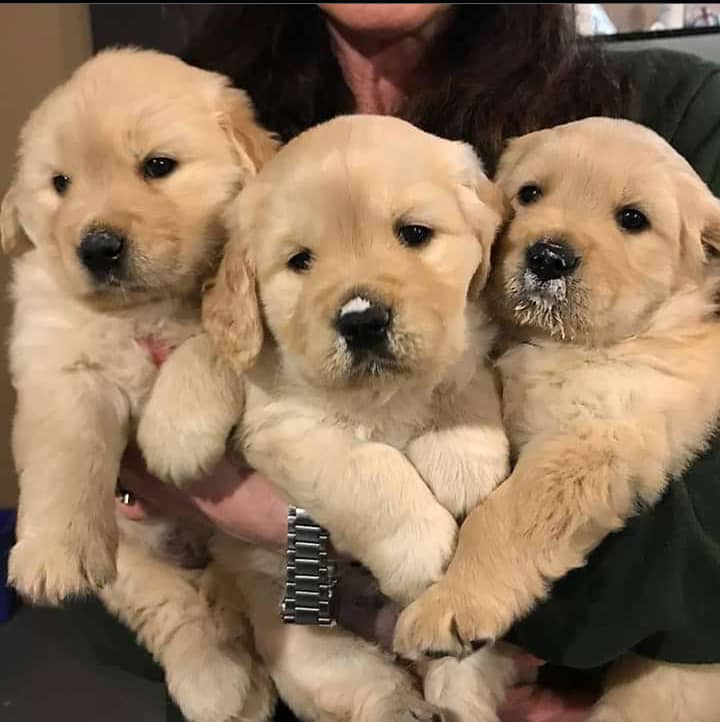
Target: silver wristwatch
{"x": 311, "y": 572}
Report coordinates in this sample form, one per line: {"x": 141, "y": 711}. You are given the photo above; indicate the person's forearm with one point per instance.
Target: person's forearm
{"x": 244, "y": 504}
{"x": 237, "y": 500}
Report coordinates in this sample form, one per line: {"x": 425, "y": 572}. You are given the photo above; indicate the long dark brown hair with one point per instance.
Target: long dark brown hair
{"x": 495, "y": 72}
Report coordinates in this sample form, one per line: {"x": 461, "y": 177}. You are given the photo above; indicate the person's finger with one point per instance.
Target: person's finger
{"x": 527, "y": 667}
{"x": 529, "y": 703}
{"x": 151, "y": 493}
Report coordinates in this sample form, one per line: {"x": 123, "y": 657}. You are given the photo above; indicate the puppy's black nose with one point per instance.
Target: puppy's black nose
{"x": 363, "y": 323}
{"x": 550, "y": 259}
{"x": 102, "y": 251}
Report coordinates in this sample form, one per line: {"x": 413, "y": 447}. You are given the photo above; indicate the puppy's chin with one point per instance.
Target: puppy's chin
{"x": 122, "y": 295}
{"x": 116, "y": 293}
{"x": 344, "y": 370}
{"x": 556, "y": 308}
{"x": 130, "y": 285}
{"x": 339, "y": 368}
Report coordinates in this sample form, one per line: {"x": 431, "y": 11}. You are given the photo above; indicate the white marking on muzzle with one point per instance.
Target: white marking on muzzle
{"x": 355, "y": 305}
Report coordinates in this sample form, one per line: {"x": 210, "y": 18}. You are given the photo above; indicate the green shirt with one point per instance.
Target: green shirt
{"x": 654, "y": 587}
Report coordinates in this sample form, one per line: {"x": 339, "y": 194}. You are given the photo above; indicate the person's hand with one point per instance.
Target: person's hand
{"x": 364, "y": 611}
{"x": 532, "y": 703}
{"x": 239, "y": 501}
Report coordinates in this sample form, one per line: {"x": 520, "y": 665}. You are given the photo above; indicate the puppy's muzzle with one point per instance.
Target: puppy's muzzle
{"x": 551, "y": 259}
{"x": 102, "y": 251}
{"x": 364, "y": 324}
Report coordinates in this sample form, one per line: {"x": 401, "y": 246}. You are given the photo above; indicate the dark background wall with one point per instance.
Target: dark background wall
{"x": 163, "y": 26}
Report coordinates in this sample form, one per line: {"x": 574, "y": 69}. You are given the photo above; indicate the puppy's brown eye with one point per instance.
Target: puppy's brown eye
{"x": 301, "y": 261}
{"x": 632, "y": 220}
{"x": 60, "y": 183}
{"x": 414, "y": 235}
{"x": 529, "y": 193}
{"x": 158, "y": 167}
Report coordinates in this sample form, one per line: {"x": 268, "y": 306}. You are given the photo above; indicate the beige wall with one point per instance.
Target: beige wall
{"x": 633, "y": 17}
{"x": 39, "y": 47}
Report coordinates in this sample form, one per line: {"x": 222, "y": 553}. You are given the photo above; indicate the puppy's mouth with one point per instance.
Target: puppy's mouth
{"x": 371, "y": 363}
{"x": 545, "y": 292}
{"x": 119, "y": 281}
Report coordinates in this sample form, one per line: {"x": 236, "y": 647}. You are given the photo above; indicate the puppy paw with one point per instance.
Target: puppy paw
{"x": 460, "y": 471}
{"x": 192, "y": 408}
{"x": 181, "y": 450}
{"x": 402, "y": 706}
{"x": 261, "y": 698}
{"x": 216, "y": 685}
{"x": 415, "y": 557}
{"x": 470, "y": 689}
{"x": 46, "y": 569}
{"x": 443, "y": 623}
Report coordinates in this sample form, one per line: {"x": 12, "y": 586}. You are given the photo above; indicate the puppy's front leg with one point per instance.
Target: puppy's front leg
{"x": 192, "y": 628}
{"x": 68, "y": 438}
{"x": 466, "y": 455}
{"x": 323, "y": 674}
{"x": 194, "y": 403}
{"x": 370, "y": 497}
{"x": 565, "y": 495}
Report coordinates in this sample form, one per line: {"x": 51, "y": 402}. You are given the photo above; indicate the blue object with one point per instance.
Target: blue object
{"x": 8, "y": 598}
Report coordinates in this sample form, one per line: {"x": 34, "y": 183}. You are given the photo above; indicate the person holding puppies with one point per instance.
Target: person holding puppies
{"x": 481, "y": 74}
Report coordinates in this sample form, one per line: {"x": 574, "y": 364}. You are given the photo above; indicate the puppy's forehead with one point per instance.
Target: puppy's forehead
{"x": 354, "y": 146}
{"x": 130, "y": 97}
{"x": 365, "y": 158}
{"x": 596, "y": 150}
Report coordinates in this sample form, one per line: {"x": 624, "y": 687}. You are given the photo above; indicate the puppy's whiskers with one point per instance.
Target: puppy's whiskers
{"x": 554, "y": 306}
{"x": 339, "y": 360}
{"x": 403, "y": 346}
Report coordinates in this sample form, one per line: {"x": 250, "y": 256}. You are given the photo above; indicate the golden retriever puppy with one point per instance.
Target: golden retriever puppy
{"x": 116, "y": 217}
{"x": 370, "y": 401}
{"x": 609, "y": 388}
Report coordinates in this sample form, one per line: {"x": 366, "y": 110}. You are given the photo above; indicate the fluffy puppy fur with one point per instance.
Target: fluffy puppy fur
{"x": 370, "y": 402}
{"x": 631, "y": 305}
{"x": 116, "y": 216}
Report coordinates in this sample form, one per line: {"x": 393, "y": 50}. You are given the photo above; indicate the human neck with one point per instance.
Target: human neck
{"x": 381, "y": 72}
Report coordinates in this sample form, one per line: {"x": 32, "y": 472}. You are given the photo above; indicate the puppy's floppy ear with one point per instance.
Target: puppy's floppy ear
{"x": 253, "y": 145}
{"x": 515, "y": 150}
{"x": 230, "y": 308}
{"x": 485, "y": 207}
{"x": 710, "y": 232}
{"x": 12, "y": 235}
{"x": 701, "y": 224}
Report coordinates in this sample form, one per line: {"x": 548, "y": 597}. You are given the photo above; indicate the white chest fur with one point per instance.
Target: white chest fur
{"x": 668, "y": 378}
{"x": 53, "y": 333}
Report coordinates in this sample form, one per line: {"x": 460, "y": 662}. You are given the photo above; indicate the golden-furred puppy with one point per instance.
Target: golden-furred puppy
{"x": 115, "y": 214}
{"x": 370, "y": 402}
{"x": 610, "y": 388}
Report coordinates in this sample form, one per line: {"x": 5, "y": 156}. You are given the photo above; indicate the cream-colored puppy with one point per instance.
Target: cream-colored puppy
{"x": 370, "y": 402}
{"x": 609, "y": 390}
{"x": 116, "y": 215}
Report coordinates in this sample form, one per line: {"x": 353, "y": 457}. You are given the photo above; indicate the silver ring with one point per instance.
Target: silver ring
{"x": 127, "y": 498}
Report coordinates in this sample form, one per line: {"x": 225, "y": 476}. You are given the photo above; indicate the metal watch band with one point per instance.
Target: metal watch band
{"x": 310, "y": 576}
